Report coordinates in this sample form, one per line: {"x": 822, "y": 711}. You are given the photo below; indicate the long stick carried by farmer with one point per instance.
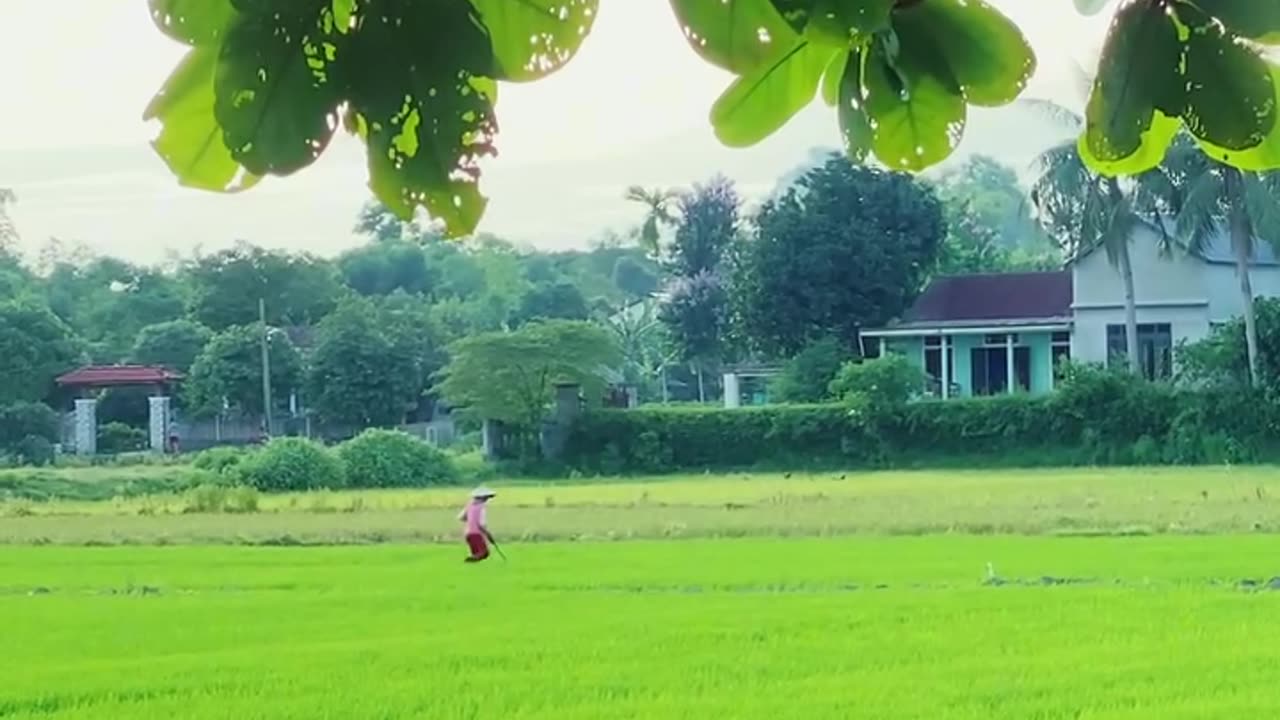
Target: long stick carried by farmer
{"x": 477, "y": 531}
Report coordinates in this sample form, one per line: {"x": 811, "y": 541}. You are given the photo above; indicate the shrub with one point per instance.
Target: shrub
{"x": 23, "y": 420}
{"x": 34, "y": 450}
{"x": 221, "y": 460}
{"x": 807, "y": 377}
{"x": 879, "y": 383}
{"x": 390, "y": 459}
{"x": 292, "y": 464}
{"x": 116, "y": 438}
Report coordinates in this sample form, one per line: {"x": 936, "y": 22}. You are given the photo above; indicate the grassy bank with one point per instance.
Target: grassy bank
{"x": 1066, "y": 502}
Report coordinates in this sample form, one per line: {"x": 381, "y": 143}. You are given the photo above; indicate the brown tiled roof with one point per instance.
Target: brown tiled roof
{"x": 117, "y": 375}
{"x": 1004, "y": 296}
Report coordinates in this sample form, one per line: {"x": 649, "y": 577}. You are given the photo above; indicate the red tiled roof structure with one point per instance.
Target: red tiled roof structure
{"x": 1007, "y": 297}
{"x": 118, "y": 375}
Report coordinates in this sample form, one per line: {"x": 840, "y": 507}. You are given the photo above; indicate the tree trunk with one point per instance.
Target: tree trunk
{"x": 1130, "y": 311}
{"x": 1240, "y": 236}
{"x": 702, "y": 386}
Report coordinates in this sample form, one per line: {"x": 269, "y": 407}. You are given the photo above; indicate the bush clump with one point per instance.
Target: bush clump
{"x": 391, "y": 459}
{"x": 292, "y": 465}
{"x": 23, "y": 425}
{"x": 221, "y": 460}
{"x": 117, "y": 438}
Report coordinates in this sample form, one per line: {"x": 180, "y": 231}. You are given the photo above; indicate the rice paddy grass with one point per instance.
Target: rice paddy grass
{"x": 938, "y": 627}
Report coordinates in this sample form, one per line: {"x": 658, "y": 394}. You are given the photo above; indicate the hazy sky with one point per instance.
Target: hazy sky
{"x": 631, "y": 108}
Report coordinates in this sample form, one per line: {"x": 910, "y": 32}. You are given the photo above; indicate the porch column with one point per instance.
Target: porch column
{"x": 1008, "y": 358}
{"x": 946, "y": 367}
{"x": 884, "y": 347}
{"x": 732, "y": 391}
{"x": 86, "y": 427}
{"x": 159, "y": 423}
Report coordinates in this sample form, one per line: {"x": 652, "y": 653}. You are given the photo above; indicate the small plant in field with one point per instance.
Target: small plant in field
{"x": 206, "y": 499}
{"x": 290, "y": 465}
{"x": 242, "y": 499}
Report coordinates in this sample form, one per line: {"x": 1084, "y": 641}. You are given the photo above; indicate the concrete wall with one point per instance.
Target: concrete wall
{"x": 1089, "y": 337}
{"x": 1224, "y": 289}
{"x": 1156, "y": 279}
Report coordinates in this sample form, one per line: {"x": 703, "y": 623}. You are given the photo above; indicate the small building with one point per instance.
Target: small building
{"x": 977, "y": 335}
{"x": 984, "y": 334}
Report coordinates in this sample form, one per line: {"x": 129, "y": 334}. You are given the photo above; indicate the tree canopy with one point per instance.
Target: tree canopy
{"x": 845, "y": 247}
{"x": 265, "y": 85}
{"x": 511, "y": 376}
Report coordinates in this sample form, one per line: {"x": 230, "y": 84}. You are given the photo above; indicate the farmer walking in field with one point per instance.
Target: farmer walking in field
{"x": 477, "y": 532}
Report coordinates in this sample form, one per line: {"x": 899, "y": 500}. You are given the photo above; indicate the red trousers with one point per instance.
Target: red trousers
{"x": 479, "y": 546}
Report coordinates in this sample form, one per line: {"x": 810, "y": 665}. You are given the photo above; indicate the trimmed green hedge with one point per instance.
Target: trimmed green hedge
{"x": 1098, "y": 419}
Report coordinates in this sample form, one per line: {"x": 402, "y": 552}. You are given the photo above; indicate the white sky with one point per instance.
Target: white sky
{"x": 631, "y": 108}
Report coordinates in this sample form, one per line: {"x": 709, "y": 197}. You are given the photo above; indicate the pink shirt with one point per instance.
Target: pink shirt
{"x": 473, "y": 516}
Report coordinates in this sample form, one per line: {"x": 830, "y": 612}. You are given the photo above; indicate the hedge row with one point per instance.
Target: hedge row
{"x": 1096, "y": 420}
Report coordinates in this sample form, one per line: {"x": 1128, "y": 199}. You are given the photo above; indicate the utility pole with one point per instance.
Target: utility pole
{"x": 266, "y": 365}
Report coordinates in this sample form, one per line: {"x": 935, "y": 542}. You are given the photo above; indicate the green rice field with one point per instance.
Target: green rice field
{"x": 797, "y": 616}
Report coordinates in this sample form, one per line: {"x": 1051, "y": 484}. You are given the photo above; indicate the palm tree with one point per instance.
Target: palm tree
{"x": 1084, "y": 211}
{"x": 658, "y": 202}
{"x": 1208, "y": 197}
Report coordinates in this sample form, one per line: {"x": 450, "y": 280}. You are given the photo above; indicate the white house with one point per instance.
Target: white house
{"x": 991, "y": 334}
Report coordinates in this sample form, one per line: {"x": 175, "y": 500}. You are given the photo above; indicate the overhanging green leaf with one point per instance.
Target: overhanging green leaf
{"x": 855, "y": 126}
{"x": 1255, "y": 19}
{"x": 533, "y": 38}
{"x": 1231, "y": 99}
{"x": 190, "y": 142}
{"x": 836, "y": 22}
{"x": 194, "y": 22}
{"x": 1262, "y": 157}
{"x": 423, "y": 107}
{"x": 916, "y": 106}
{"x": 1137, "y": 75}
{"x": 736, "y": 35}
{"x": 832, "y": 78}
{"x": 1149, "y": 154}
{"x": 987, "y": 53}
{"x": 277, "y": 90}
{"x": 759, "y": 103}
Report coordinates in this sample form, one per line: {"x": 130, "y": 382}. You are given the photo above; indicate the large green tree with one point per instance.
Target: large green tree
{"x": 36, "y": 347}
{"x": 227, "y": 286}
{"x": 511, "y": 376}
{"x": 369, "y": 368}
{"x": 266, "y": 85}
{"x": 108, "y": 301}
{"x": 175, "y": 344}
{"x": 845, "y": 248}
{"x": 384, "y": 267}
{"x": 230, "y": 368}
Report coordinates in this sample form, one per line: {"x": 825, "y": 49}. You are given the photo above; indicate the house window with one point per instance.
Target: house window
{"x": 1155, "y": 349}
{"x": 989, "y": 369}
{"x": 1059, "y": 352}
{"x": 933, "y": 363}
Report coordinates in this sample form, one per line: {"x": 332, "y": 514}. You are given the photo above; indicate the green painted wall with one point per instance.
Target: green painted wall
{"x": 1040, "y": 345}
